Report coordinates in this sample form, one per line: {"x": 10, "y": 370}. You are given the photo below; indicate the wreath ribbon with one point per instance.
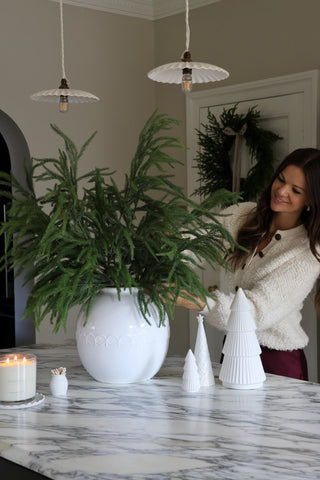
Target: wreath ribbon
{"x": 236, "y": 166}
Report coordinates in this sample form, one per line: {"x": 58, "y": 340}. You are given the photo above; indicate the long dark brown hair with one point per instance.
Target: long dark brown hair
{"x": 259, "y": 220}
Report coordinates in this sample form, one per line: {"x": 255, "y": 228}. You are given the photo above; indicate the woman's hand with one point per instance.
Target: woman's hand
{"x": 189, "y": 301}
{"x": 196, "y": 303}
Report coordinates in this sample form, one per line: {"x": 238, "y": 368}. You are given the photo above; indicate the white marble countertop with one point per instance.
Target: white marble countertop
{"x": 155, "y": 430}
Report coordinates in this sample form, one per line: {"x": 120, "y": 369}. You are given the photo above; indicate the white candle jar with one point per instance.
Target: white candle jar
{"x": 18, "y": 376}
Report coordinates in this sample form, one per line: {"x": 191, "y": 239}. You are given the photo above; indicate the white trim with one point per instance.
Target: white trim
{"x": 165, "y": 8}
{"x": 306, "y": 82}
{"x": 132, "y": 8}
{"x": 148, "y": 9}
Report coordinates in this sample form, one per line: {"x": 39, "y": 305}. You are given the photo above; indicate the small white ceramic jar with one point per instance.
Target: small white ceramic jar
{"x": 58, "y": 382}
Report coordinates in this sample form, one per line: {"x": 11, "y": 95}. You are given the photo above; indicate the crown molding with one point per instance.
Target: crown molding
{"x": 148, "y": 9}
{"x": 165, "y": 8}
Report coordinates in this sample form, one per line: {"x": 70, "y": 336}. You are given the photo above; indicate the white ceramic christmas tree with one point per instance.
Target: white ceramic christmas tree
{"x": 241, "y": 367}
{"x": 190, "y": 378}
{"x": 202, "y": 356}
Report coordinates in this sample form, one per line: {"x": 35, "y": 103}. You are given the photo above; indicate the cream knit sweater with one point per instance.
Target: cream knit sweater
{"x": 276, "y": 283}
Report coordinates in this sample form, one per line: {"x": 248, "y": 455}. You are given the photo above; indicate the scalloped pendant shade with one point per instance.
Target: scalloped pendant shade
{"x": 74, "y": 96}
{"x": 201, "y": 72}
{"x": 64, "y": 95}
{"x": 186, "y": 71}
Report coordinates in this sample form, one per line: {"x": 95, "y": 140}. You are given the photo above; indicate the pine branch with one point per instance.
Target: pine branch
{"x": 75, "y": 242}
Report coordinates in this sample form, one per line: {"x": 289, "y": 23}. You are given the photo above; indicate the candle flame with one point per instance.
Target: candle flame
{"x": 11, "y": 360}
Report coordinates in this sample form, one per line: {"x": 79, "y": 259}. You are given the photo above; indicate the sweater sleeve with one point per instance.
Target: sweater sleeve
{"x": 274, "y": 296}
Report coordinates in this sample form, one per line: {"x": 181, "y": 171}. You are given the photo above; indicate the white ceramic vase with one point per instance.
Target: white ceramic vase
{"x": 58, "y": 385}
{"x": 117, "y": 345}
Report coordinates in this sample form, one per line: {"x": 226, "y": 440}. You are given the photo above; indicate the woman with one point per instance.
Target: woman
{"x": 282, "y": 235}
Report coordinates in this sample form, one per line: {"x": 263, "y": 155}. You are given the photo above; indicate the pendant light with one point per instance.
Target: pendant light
{"x": 63, "y": 94}
{"x": 186, "y": 71}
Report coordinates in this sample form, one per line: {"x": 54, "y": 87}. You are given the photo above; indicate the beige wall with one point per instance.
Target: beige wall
{"x": 105, "y": 54}
{"x": 252, "y": 39}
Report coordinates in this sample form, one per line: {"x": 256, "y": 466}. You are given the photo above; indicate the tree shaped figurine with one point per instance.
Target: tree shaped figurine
{"x": 190, "y": 378}
{"x": 241, "y": 367}
{"x": 202, "y": 356}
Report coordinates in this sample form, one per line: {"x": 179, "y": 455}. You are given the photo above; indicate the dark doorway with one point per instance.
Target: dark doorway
{"x": 7, "y": 316}
{"x": 14, "y": 329}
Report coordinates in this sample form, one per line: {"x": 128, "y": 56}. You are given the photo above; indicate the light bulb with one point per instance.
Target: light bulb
{"x": 63, "y": 104}
{"x": 186, "y": 84}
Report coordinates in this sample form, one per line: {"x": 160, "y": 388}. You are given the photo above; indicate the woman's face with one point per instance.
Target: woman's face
{"x": 289, "y": 192}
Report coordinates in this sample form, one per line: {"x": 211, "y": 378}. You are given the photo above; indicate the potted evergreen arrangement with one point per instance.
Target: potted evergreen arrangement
{"x": 144, "y": 238}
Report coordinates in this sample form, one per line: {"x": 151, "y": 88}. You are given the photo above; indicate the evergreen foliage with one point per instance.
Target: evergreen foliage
{"x": 214, "y": 160}
{"x": 73, "y": 241}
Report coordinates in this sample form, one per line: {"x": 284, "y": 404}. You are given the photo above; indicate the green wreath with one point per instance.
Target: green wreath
{"x": 214, "y": 158}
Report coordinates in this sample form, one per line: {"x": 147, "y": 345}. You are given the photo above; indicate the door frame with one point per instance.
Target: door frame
{"x": 306, "y": 83}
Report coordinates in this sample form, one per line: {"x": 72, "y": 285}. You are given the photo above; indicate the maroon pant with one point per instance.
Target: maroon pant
{"x": 288, "y": 363}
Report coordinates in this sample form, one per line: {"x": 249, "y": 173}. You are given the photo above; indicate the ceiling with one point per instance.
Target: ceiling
{"x": 149, "y": 9}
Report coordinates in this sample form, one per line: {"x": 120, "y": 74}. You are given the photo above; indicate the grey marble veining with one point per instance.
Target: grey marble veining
{"x": 155, "y": 430}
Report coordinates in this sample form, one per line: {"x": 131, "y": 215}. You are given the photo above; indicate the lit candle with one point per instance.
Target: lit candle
{"x": 18, "y": 373}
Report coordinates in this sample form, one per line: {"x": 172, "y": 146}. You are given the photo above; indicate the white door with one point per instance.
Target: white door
{"x": 289, "y": 114}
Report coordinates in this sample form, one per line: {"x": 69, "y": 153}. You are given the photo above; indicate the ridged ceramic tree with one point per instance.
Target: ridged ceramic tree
{"x": 190, "y": 378}
{"x": 202, "y": 356}
{"x": 241, "y": 367}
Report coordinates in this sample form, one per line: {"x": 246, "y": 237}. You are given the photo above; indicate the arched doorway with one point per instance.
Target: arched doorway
{"x": 14, "y": 152}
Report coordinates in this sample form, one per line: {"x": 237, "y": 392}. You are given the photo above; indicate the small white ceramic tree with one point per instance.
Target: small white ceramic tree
{"x": 202, "y": 356}
{"x": 190, "y": 378}
{"x": 241, "y": 367}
